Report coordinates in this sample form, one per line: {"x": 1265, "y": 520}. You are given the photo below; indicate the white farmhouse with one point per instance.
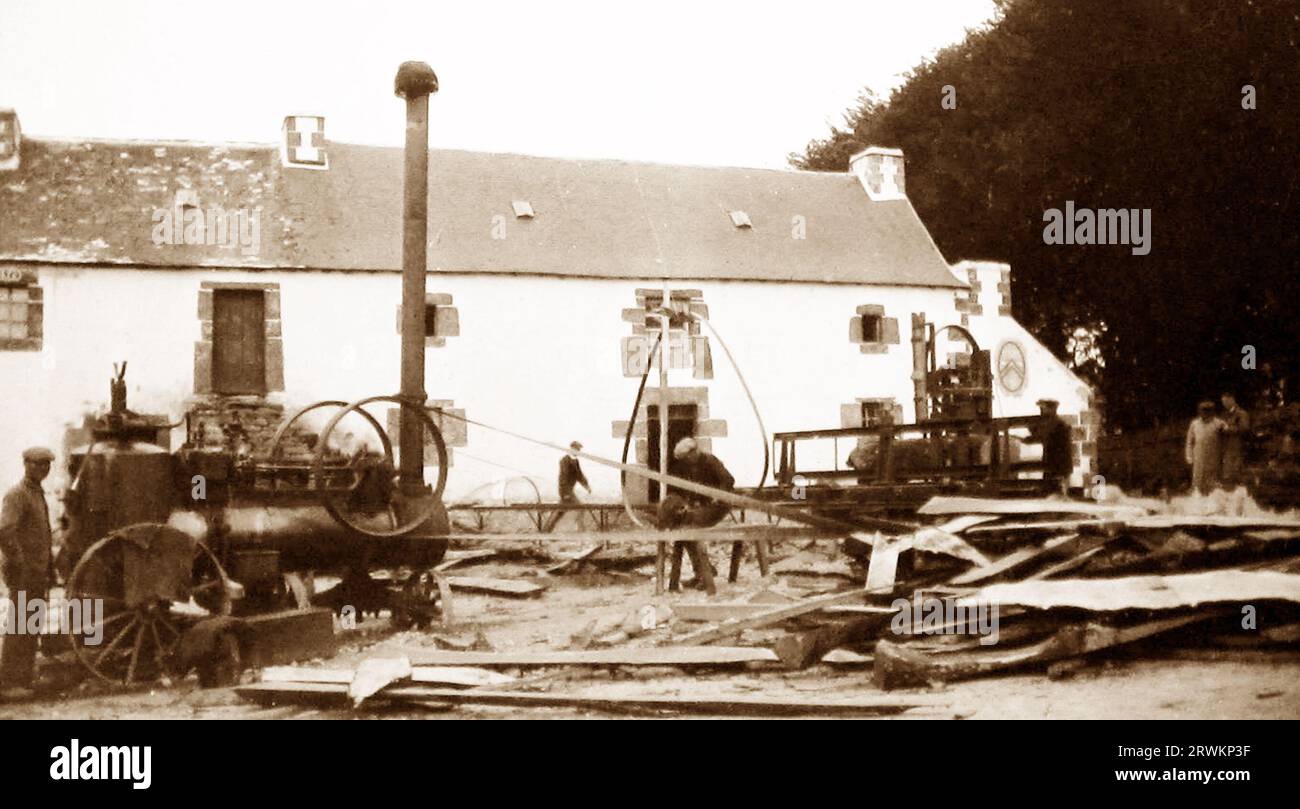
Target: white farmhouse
{"x": 250, "y": 279}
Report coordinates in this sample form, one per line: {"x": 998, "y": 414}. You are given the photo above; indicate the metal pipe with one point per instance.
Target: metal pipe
{"x": 662, "y": 552}
{"x": 415, "y": 82}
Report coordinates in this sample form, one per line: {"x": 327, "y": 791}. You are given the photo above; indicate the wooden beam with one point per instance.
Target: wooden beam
{"x": 1144, "y": 592}
{"x": 1012, "y": 560}
{"x": 571, "y": 560}
{"x": 991, "y": 505}
{"x": 466, "y": 676}
{"x": 454, "y": 558}
{"x": 729, "y": 629}
{"x": 897, "y": 665}
{"x": 729, "y": 533}
{"x": 329, "y": 694}
{"x": 375, "y": 674}
{"x": 496, "y": 587}
{"x": 718, "y": 612}
{"x": 651, "y": 656}
{"x": 799, "y": 650}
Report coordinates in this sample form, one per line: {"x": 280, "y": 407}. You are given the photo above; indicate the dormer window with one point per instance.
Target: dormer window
{"x": 741, "y": 220}
{"x": 523, "y": 209}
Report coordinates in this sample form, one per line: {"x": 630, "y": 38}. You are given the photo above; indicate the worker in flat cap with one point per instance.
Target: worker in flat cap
{"x": 1203, "y": 449}
{"x": 571, "y": 476}
{"x": 1054, "y": 434}
{"x": 681, "y": 508}
{"x": 25, "y": 545}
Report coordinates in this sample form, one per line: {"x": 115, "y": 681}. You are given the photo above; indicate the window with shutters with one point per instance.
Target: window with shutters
{"x": 871, "y": 330}
{"x": 21, "y": 311}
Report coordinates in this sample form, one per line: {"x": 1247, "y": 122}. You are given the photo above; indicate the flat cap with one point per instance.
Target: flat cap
{"x": 684, "y": 447}
{"x": 1048, "y": 402}
{"x": 37, "y": 454}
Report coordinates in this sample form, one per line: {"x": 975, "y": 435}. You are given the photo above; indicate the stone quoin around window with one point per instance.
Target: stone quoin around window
{"x": 871, "y": 330}
{"x": 687, "y": 347}
{"x": 441, "y": 319}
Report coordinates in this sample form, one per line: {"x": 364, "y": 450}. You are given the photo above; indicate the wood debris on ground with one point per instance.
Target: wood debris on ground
{"x": 992, "y": 586}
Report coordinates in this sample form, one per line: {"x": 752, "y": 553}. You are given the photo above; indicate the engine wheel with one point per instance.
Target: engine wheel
{"x": 403, "y": 514}
{"x": 135, "y": 637}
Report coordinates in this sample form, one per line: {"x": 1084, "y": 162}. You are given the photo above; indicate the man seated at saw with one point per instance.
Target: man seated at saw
{"x": 681, "y": 508}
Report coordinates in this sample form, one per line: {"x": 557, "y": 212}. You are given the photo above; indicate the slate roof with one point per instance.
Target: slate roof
{"x": 93, "y": 202}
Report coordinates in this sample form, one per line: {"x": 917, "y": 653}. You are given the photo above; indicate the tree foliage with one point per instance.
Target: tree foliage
{"x": 1135, "y": 104}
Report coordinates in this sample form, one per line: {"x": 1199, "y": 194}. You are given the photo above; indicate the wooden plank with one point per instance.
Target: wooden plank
{"x": 466, "y": 676}
{"x": 775, "y": 615}
{"x": 1045, "y": 525}
{"x": 929, "y": 540}
{"x": 802, "y": 649}
{"x": 858, "y": 609}
{"x": 963, "y": 523}
{"x": 454, "y": 558}
{"x": 943, "y": 505}
{"x": 883, "y": 565}
{"x": 729, "y": 533}
{"x": 375, "y": 674}
{"x": 897, "y": 665}
{"x": 1144, "y": 592}
{"x": 571, "y": 560}
{"x": 1011, "y": 561}
{"x": 1065, "y": 566}
{"x": 719, "y": 611}
{"x": 649, "y": 656}
{"x": 496, "y": 587}
{"x": 1288, "y": 526}
{"x": 1214, "y": 521}
{"x": 847, "y": 657}
{"x": 721, "y": 705}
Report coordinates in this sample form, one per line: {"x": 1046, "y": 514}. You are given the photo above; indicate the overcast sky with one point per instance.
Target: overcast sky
{"x": 708, "y": 82}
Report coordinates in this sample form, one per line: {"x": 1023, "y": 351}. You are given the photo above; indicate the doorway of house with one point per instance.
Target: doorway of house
{"x": 682, "y": 420}
{"x": 238, "y": 341}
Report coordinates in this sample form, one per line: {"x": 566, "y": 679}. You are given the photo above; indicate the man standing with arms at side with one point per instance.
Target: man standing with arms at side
{"x": 1054, "y": 434}
{"x": 1236, "y": 424}
{"x": 1204, "y": 448}
{"x": 25, "y": 543}
{"x": 570, "y": 477}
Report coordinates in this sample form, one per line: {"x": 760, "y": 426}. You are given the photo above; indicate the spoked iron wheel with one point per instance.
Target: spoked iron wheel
{"x": 152, "y": 581}
{"x": 374, "y": 506}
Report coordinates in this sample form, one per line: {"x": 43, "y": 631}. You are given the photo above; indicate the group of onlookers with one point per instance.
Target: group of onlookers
{"x": 1216, "y": 443}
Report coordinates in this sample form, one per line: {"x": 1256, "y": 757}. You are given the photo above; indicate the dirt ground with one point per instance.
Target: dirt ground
{"x": 1202, "y": 683}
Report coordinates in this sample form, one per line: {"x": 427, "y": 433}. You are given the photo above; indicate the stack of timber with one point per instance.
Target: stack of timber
{"x": 1007, "y": 585}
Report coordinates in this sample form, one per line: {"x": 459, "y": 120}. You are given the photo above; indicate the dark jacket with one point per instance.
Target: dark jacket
{"x": 1054, "y": 434}
{"x": 570, "y": 476}
{"x": 25, "y": 536}
{"x": 706, "y": 470}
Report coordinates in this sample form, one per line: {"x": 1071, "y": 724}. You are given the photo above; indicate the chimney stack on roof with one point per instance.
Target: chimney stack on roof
{"x": 302, "y": 142}
{"x": 880, "y": 170}
{"x": 11, "y": 139}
